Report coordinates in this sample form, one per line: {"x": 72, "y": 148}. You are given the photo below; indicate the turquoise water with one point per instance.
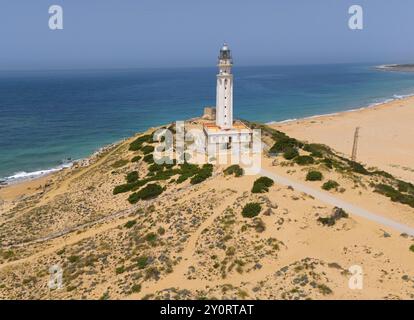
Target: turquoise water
{"x": 49, "y": 116}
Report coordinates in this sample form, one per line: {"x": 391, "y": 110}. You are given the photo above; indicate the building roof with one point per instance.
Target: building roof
{"x": 238, "y": 127}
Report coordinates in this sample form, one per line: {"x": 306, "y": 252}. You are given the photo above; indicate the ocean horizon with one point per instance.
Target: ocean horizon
{"x": 50, "y": 118}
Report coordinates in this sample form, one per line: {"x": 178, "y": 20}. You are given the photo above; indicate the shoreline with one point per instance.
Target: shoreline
{"x": 370, "y": 106}
{"x": 22, "y": 176}
{"x": 40, "y": 174}
{"x": 384, "y": 140}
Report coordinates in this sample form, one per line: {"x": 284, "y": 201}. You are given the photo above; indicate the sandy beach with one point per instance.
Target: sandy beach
{"x": 386, "y": 136}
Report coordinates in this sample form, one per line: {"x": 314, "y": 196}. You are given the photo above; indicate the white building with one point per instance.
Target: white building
{"x": 225, "y": 133}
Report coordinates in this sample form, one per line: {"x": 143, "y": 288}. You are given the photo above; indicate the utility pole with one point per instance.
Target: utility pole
{"x": 355, "y": 146}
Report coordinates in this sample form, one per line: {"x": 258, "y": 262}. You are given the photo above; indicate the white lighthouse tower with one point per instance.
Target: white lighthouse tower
{"x": 224, "y": 99}
{"x": 225, "y": 134}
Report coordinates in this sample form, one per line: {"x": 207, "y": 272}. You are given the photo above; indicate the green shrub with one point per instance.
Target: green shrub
{"x": 132, "y": 177}
{"x": 186, "y": 171}
{"x": 284, "y": 143}
{"x": 130, "y": 224}
{"x": 324, "y": 289}
{"x": 120, "y": 270}
{"x": 234, "y": 169}
{"x": 262, "y": 185}
{"x": 338, "y": 213}
{"x": 358, "y": 168}
{"x": 129, "y": 186}
{"x": 317, "y": 150}
{"x": 251, "y": 210}
{"x": 395, "y": 195}
{"x": 314, "y": 176}
{"x": 304, "y": 160}
{"x": 151, "y": 237}
{"x": 330, "y": 184}
{"x": 123, "y": 188}
{"x": 136, "y": 159}
{"x": 155, "y": 167}
{"x": 147, "y": 149}
{"x": 142, "y": 262}
{"x": 405, "y": 187}
{"x": 136, "y": 288}
{"x": 204, "y": 173}
{"x": 120, "y": 163}
{"x": 74, "y": 259}
{"x": 328, "y": 162}
{"x": 328, "y": 221}
{"x": 290, "y": 153}
{"x": 412, "y": 248}
{"x": 152, "y": 190}
{"x": 164, "y": 175}
{"x": 137, "y": 143}
{"x": 149, "y": 158}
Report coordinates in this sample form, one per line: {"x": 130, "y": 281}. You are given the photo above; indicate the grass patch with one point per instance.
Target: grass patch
{"x": 120, "y": 163}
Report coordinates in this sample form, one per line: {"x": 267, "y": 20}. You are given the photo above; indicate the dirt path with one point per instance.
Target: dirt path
{"x": 333, "y": 201}
{"x": 177, "y": 278}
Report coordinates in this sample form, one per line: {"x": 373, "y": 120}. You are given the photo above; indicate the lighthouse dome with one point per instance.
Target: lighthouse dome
{"x": 225, "y": 52}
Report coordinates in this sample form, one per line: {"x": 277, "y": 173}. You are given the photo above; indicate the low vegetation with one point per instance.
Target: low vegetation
{"x": 119, "y": 163}
{"x": 137, "y": 143}
{"x": 290, "y": 153}
{"x": 262, "y": 185}
{"x": 150, "y": 191}
{"x": 338, "y": 213}
{"x": 330, "y": 184}
{"x": 147, "y": 149}
{"x": 314, "y": 176}
{"x": 395, "y": 195}
{"x": 204, "y": 173}
{"x": 251, "y": 210}
{"x": 132, "y": 177}
{"x": 235, "y": 170}
{"x": 304, "y": 160}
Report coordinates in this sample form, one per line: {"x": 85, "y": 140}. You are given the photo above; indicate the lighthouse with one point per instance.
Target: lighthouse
{"x": 224, "y": 134}
{"x": 224, "y": 99}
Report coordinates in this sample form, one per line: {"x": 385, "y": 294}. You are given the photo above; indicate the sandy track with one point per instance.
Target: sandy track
{"x": 333, "y": 201}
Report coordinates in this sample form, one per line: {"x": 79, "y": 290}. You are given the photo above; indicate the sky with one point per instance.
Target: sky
{"x": 187, "y": 33}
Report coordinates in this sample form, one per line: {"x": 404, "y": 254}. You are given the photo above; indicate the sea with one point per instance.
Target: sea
{"x": 48, "y": 119}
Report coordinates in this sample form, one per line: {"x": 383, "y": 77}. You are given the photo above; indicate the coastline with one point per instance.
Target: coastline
{"x": 370, "y": 106}
{"x": 384, "y": 139}
{"x": 21, "y": 177}
{"x": 40, "y": 175}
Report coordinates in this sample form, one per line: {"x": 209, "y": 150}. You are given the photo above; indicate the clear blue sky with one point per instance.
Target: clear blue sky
{"x": 170, "y": 33}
